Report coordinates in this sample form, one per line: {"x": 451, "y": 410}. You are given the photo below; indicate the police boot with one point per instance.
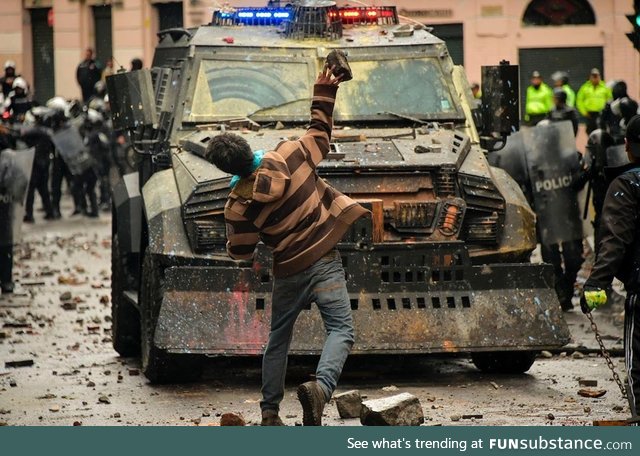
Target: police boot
{"x": 271, "y": 418}
{"x": 313, "y": 400}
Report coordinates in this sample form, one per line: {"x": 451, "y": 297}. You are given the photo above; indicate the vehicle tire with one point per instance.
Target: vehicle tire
{"x": 158, "y": 365}
{"x": 125, "y": 319}
{"x": 511, "y": 362}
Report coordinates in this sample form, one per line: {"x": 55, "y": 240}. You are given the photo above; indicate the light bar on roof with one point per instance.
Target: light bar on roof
{"x": 353, "y": 15}
{"x": 252, "y": 16}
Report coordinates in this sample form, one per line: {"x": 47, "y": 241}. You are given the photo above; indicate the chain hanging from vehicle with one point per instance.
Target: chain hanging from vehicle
{"x": 606, "y": 356}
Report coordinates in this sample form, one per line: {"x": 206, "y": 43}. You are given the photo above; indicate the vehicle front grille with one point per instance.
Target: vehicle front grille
{"x": 486, "y": 209}
{"x": 483, "y": 229}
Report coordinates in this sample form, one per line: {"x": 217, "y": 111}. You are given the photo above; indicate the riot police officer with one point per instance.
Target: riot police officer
{"x": 60, "y": 170}
{"x": 602, "y": 142}
{"x": 18, "y": 102}
{"x": 35, "y": 134}
{"x": 562, "y": 111}
{"x": 13, "y": 184}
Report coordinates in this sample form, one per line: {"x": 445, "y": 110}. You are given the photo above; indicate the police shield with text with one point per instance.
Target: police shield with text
{"x": 543, "y": 160}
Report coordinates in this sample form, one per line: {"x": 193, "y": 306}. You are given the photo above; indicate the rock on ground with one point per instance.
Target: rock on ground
{"x": 399, "y": 410}
{"x": 349, "y": 404}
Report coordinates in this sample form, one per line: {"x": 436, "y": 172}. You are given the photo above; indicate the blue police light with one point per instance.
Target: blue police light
{"x": 252, "y": 16}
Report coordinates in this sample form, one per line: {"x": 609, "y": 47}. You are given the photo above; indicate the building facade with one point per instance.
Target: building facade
{"x": 47, "y": 38}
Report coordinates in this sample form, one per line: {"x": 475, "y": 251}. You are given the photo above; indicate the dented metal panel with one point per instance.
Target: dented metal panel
{"x": 427, "y": 300}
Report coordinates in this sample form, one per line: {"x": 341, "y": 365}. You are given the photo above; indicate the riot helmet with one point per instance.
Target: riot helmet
{"x": 632, "y": 137}
{"x": 560, "y": 95}
{"x": 20, "y": 83}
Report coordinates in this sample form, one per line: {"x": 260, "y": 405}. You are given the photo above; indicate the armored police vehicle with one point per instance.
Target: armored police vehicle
{"x": 441, "y": 266}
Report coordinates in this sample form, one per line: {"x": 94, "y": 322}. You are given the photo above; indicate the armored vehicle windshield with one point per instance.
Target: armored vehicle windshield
{"x": 276, "y": 83}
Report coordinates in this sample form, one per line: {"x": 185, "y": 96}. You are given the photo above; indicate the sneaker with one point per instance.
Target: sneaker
{"x": 28, "y": 219}
{"x": 271, "y": 418}
{"x": 313, "y": 400}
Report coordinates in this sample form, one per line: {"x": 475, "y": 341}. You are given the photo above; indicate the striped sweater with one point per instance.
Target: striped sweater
{"x": 286, "y": 205}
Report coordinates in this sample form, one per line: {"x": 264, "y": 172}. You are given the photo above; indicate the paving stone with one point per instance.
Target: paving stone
{"x": 399, "y": 410}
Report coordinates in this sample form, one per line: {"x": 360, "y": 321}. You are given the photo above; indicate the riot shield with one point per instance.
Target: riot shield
{"x": 512, "y": 159}
{"x": 552, "y": 161}
{"x": 616, "y": 156}
{"x": 70, "y": 146}
{"x": 15, "y": 173}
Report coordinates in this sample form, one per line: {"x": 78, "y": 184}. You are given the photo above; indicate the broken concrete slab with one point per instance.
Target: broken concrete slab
{"x": 400, "y": 410}
{"x": 349, "y": 404}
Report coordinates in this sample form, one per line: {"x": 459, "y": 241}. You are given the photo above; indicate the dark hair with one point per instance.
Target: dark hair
{"x": 230, "y": 153}
{"x": 136, "y": 64}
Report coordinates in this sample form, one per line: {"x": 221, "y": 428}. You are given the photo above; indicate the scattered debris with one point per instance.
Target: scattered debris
{"x": 279, "y": 126}
{"x": 47, "y": 396}
{"x": 390, "y": 388}
{"x": 66, "y": 296}
{"x": 54, "y": 408}
{"x": 400, "y": 410}
{"x": 551, "y": 417}
{"x": 618, "y": 408}
{"x": 455, "y": 417}
{"x": 77, "y": 423}
{"x": 546, "y": 354}
{"x": 104, "y": 400}
{"x": 586, "y": 392}
{"x": 472, "y": 416}
{"x": 232, "y": 419}
{"x": 494, "y": 384}
{"x": 19, "y": 363}
{"x": 134, "y": 372}
{"x": 587, "y": 383}
{"x": 577, "y": 355}
{"x": 349, "y": 404}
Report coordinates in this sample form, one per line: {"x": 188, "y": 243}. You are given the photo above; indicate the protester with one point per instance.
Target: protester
{"x": 619, "y": 256}
{"x": 265, "y": 204}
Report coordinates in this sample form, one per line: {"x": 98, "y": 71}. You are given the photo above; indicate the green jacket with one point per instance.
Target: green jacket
{"x": 539, "y": 101}
{"x": 592, "y": 99}
{"x": 571, "y": 95}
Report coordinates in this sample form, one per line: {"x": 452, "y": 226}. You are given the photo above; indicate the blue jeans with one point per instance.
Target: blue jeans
{"x": 324, "y": 284}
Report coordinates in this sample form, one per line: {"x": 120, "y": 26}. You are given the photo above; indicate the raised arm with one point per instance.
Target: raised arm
{"x": 316, "y": 139}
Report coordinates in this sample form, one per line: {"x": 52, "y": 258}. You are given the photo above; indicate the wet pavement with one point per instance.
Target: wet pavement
{"x": 57, "y": 329}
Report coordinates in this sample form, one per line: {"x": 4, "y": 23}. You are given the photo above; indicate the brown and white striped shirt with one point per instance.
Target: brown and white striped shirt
{"x": 286, "y": 204}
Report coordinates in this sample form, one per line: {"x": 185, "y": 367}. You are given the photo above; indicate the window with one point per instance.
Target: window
{"x": 558, "y": 12}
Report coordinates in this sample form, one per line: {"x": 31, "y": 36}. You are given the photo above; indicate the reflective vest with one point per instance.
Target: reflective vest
{"x": 571, "y": 95}
{"x": 592, "y": 99}
{"x": 539, "y": 101}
